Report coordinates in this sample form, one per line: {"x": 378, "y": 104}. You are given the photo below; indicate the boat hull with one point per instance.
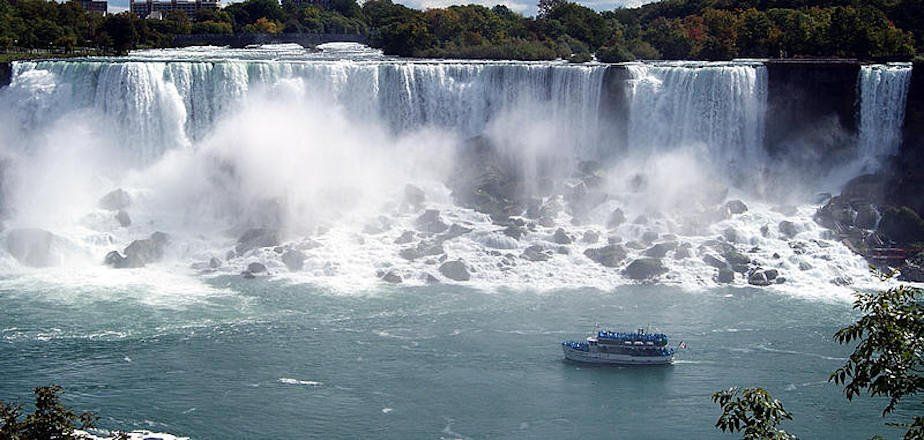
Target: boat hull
{"x": 600, "y": 358}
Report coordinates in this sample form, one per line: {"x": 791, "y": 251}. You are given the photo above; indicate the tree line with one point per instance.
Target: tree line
{"x": 669, "y": 29}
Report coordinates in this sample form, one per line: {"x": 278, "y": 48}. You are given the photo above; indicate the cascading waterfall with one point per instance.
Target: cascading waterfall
{"x": 158, "y": 106}
{"x": 883, "y": 90}
{"x": 715, "y": 108}
{"x": 220, "y": 140}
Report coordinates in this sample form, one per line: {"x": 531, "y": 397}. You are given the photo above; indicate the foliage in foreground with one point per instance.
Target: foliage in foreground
{"x": 50, "y": 420}
{"x": 889, "y": 358}
{"x": 753, "y": 412}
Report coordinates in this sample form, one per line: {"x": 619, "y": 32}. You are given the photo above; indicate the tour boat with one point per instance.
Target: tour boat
{"x": 617, "y": 348}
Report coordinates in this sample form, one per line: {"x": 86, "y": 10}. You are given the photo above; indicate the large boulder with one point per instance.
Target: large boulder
{"x": 788, "y": 228}
{"x": 536, "y": 253}
{"x": 422, "y": 249}
{"x": 256, "y": 238}
{"x": 34, "y": 247}
{"x": 431, "y": 222}
{"x": 499, "y": 241}
{"x": 256, "y": 267}
{"x": 725, "y": 276}
{"x": 455, "y": 270}
{"x": 486, "y": 180}
{"x": 116, "y": 200}
{"x": 392, "y": 277}
{"x": 616, "y": 218}
{"x": 902, "y": 225}
{"x": 141, "y": 252}
{"x": 294, "y": 259}
{"x": 610, "y": 255}
{"x": 123, "y": 218}
{"x": 736, "y": 207}
{"x": 561, "y": 237}
{"x": 659, "y": 250}
{"x": 644, "y": 269}
{"x": 913, "y": 269}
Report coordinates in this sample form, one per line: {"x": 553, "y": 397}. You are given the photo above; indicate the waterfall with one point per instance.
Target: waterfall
{"x": 717, "y": 109}
{"x": 159, "y": 105}
{"x": 883, "y": 89}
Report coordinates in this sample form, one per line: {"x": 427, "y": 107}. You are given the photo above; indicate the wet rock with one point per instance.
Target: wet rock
{"x": 114, "y": 259}
{"x": 123, "y": 218}
{"x": 644, "y": 269}
{"x": 563, "y": 250}
{"x": 430, "y": 279}
{"x": 423, "y": 249}
{"x": 486, "y": 180}
{"x": 736, "y": 207}
{"x": 248, "y": 275}
{"x": 431, "y": 222}
{"x": 406, "y": 237}
{"x": 738, "y": 261}
{"x": 391, "y": 277}
{"x": 640, "y": 220}
{"x": 842, "y": 280}
{"x": 771, "y": 274}
{"x": 256, "y": 238}
{"x": 913, "y": 269}
{"x": 804, "y": 266}
{"x": 788, "y": 228}
{"x": 414, "y": 197}
{"x": 758, "y": 278}
{"x": 902, "y": 225}
{"x": 835, "y": 214}
{"x": 725, "y": 276}
{"x": 867, "y": 217}
{"x": 455, "y": 270}
{"x": 780, "y": 280}
{"x": 659, "y": 250}
{"x": 590, "y": 237}
{"x": 34, "y": 247}
{"x": 294, "y": 259}
{"x": 115, "y": 200}
{"x": 635, "y": 245}
{"x": 256, "y": 268}
{"x": 616, "y": 218}
{"x": 765, "y": 231}
{"x": 732, "y": 235}
{"x": 535, "y": 253}
{"x": 714, "y": 261}
{"x": 610, "y": 255}
{"x": 515, "y": 231}
{"x": 561, "y": 237}
{"x": 455, "y": 230}
{"x": 149, "y": 250}
{"x": 649, "y": 236}
{"x": 683, "y": 252}
{"x": 214, "y": 263}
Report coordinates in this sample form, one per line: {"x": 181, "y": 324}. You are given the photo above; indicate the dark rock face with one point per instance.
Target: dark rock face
{"x": 644, "y": 269}
{"x": 114, "y": 259}
{"x": 214, "y": 263}
{"x": 610, "y": 255}
{"x": 116, "y": 200}
{"x": 714, "y": 262}
{"x": 33, "y": 247}
{"x": 902, "y": 225}
{"x": 294, "y": 259}
{"x": 913, "y": 269}
{"x": 256, "y": 238}
{"x": 455, "y": 270}
{"x": 430, "y": 222}
{"x": 763, "y": 277}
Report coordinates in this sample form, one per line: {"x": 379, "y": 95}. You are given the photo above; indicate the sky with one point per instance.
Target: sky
{"x": 526, "y": 7}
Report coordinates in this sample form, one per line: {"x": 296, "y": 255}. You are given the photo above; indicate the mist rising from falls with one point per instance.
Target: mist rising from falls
{"x": 883, "y": 92}
{"x": 321, "y": 150}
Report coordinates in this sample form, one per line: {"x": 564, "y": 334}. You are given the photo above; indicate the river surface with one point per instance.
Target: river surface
{"x": 262, "y": 359}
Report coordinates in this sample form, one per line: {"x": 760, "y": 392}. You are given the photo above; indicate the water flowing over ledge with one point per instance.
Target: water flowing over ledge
{"x": 319, "y": 148}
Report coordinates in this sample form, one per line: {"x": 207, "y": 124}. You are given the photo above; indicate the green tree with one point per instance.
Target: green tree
{"x": 753, "y": 412}
{"x": 888, "y": 360}
{"x": 50, "y": 420}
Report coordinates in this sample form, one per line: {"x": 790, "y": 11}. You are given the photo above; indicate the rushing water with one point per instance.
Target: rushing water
{"x": 208, "y": 142}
